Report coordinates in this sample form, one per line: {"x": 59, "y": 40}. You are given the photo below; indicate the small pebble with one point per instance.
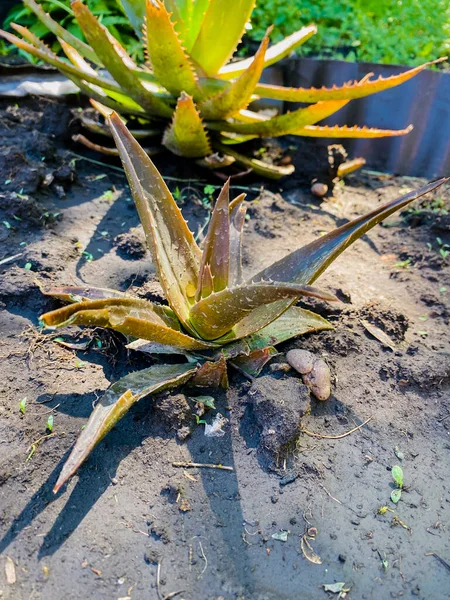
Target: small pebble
{"x": 319, "y": 189}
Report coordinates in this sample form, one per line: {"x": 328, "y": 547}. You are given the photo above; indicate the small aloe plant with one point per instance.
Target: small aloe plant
{"x": 215, "y": 314}
{"x": 188, "y": 93}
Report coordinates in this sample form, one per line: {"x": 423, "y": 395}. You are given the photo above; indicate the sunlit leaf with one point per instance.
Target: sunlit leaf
{"x": 273, "y": 54}
{"x": 343, "y": 131}
{"x": 186, "y": 135}
{"x": 176, "y": 255}
{"x": 216, "y": 315}
{"x": 238, "y": 94}
{"x": 116, "y": 61}
{"x": 355, "y": 89}
{"x": 78, "y": 293}
{"x": 59, "y": 31}
{"x": 258, "y": 166}
{"x": 238, "y": 210}
{"x": 214, "y": 266}
{"x": 220, "y": 32}
{"x": 282, "y": 124}
{"x": 116, "y": 401}
{"x": 132, "y": 317}
{"x": 168, "y": 58}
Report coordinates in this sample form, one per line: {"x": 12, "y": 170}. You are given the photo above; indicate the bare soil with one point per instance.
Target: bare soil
{"x": 130, "y": 525}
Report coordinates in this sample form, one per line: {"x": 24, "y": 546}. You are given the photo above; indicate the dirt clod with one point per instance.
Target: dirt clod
{"x": 279, "y": 405}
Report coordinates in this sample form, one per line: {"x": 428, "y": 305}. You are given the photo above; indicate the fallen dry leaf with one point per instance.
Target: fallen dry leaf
{"x": 10, "y": 571}
{"x": 308, "y": 551}
{"x": 379, "y": 334}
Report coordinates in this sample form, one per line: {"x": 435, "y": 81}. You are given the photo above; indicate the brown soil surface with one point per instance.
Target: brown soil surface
{"x": 128, "y": 509}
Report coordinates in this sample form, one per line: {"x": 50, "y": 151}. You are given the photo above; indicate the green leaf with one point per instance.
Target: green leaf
{"x": 49, "y": 423}
{"x": 238, "y": 211}
{"x": 186, "y": 135}
{"x": 396, "y": 495}
{"x": 220, "y": 33}
{"x": 238, "y": 94}
{"x": 352, "y": 90}
{"x": 274, "y": 53}
{"x": 168, "y": 58}
{"x": 258, "y": 166}
{"x": 215, "y": 316}
{"x": 135, "y": 11}
{"x": 116, "y": 401}
{"x": 304, "y": 266}
{"x": 78, "y": 293}
{"x": 282, "y": 124}
{"x": 59, "y": 31}
{"x": 207, "y": 401}
{"x": 116, "y": 61}
{"x": 397, "y": 475}
{"x": 132, "y": 317}
{"x": 22, "y": 405}
{"x": 173, "y": 248}
{"x": 290, "y": 323}
{"x": 216, "y": 249}
{"x": 342, "y": 131}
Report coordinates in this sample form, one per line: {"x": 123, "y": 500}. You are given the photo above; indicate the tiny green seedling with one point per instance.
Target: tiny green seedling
{"x": 22, "y": 405}
{"x": 50, "y": 423}
{"x": 397, "y": 476}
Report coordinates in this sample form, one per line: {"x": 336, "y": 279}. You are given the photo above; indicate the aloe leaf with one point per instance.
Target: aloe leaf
{"x": 111, "y": 89}
{"x": 220, "y": 33}
{"x": 273, "y": 54}
{"x": 337, "y": 131}
{"x": 216, "y": 315}
{"x": 211, "y": 374}
{"x": 258, "y": 166}
{"x": 303, "y": 266}
{"x": 116, "y": 61}
{"x": 216, "y": 250}
{"x": 254, "y": 363}
{"x": 168, "y": 58}
{"x": 348, "y": 91}
{"x": 293, "y": 322}
{"x": 132, "y": 317}
{"x": 238, "y": 94}
{"x": 186, "y": 135}
{"x": 42, "y": 52}
{"x": 115, "y": 403}
{"x": 135, "y": 11}
{"x": 238, "y": 210}
{"x": 282, "y": 124}
{"x": 79, "y": 293}
{"x": 174, "y": 251}
{"x": 194, "y": 21}
{"x": 59, "y": 31}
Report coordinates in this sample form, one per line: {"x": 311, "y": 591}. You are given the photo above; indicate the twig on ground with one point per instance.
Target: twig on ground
{"x": 192, "y": 465}
{"x": 336, "y": 437}
{"x": 328, "y": 493}
{"x": 441, "y": 560}
{"x": 158, "y": 586}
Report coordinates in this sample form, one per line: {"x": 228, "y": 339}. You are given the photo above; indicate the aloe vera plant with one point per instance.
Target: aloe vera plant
{"x": 188, "y": 92}
{"x": 215, "y": 314}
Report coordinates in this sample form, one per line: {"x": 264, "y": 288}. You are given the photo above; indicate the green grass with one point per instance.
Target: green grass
{"x": 109, "y": 12}
{"x": 407, "y": 32}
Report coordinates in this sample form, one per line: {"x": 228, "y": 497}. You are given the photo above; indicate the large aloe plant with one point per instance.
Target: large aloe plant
{"x": 215, "y": 313}
{"x": 188, "y": 90}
